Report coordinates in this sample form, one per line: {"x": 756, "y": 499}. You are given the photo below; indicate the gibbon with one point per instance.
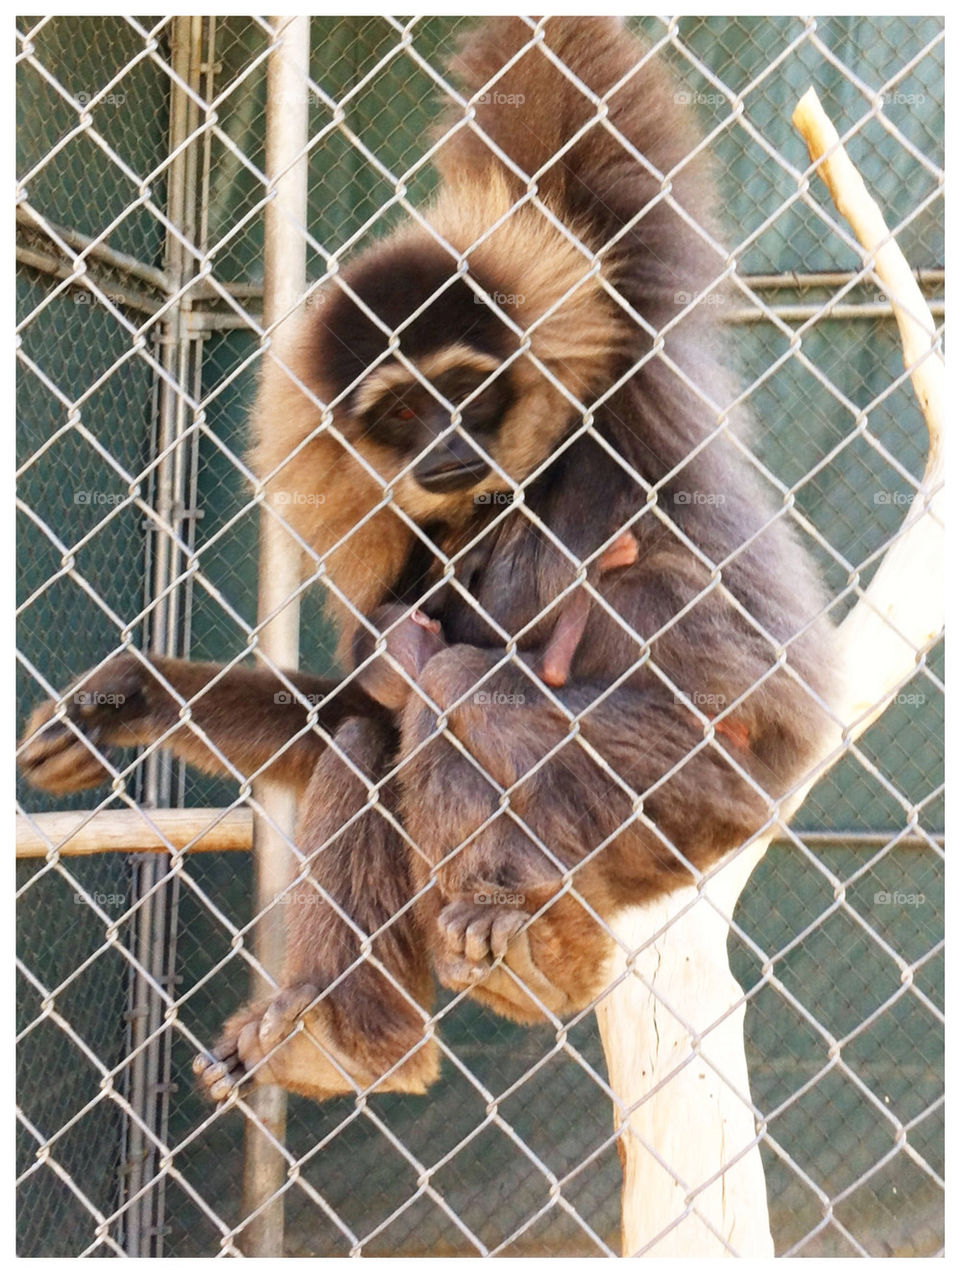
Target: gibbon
{"x": 604, "y": 653}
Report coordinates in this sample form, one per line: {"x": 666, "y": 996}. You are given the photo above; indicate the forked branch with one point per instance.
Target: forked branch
{"x": 673, "y": 1028}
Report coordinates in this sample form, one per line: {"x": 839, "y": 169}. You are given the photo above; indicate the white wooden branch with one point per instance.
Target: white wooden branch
{"x": 672, "y": 1029}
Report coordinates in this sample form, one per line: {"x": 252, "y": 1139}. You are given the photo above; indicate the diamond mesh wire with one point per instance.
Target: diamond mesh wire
{"x": 853, "y": 1137}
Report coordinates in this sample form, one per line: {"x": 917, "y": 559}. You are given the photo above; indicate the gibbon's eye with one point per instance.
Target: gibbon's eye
{"x": 401, "y": 412}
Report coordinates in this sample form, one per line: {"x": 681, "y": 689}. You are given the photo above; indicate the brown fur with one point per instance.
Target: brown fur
{"x": 688, "y": 681}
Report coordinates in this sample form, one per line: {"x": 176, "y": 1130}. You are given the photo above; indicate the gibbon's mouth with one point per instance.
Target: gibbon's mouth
{"x": 442, "y": 476}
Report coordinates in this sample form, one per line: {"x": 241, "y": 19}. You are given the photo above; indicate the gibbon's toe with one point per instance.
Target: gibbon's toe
{"x": 504, "y": 928}
{"x": 281, "y": 1014}
{"x": 452, "y": 923}
{"x": 493, "y": 934}
{"x": 457, "y": 973}
{"x": 218, "y": 1078}
{"x": 479, "y": 932}
{"x": 224, "y": 1069}
{"x": 223, "y": 1084}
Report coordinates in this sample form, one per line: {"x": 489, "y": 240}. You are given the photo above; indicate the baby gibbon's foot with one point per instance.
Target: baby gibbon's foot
{"x": 262, "y": 1044}
{"x": 56, "y": 758}
{"x": 476, "y": 933}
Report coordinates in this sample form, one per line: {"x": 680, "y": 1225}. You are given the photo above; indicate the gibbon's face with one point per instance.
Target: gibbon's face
{"x": 436, "y": 426}
{"x": 414, "y": 421}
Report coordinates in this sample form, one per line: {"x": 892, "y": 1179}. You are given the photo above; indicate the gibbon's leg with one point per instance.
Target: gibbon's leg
{"x": 561, "y": 648}
{"x": 248, "y": 715}
{"x": 491, "y": 887}
{"x": 412, "y": 638}
{"x": 321, "y": 1036}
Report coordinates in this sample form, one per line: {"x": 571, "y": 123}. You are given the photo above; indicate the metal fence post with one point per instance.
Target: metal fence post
{"x": 173, "y": 482}
{"x": 264, "y": 1170}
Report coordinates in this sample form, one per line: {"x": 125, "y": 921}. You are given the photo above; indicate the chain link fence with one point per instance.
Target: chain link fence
{"x": 139, "y": 244}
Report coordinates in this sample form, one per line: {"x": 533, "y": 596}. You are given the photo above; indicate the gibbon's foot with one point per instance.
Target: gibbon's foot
{"x": 261, "y": 1044}
{"x": 480, "y": 930}
{"x": 56, "y": 758}
{"x": 473, "y": 934}
{"x": 253, "y": 1033}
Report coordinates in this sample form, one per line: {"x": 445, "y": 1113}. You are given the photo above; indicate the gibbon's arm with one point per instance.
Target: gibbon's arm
{"x": 248, "y": 715}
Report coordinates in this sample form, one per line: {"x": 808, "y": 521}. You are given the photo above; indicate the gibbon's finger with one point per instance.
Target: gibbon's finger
{"x": 424, "y": 621}
{"x": 566, "y": 636}
{"x": 504, "y": 928}
{"x": 38, "y": 718}
{"x": 568, "y": 631}
{"x": 60, "y": 762}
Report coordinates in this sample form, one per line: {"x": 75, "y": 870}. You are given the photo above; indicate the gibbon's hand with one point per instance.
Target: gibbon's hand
{"x": 61, "y": 756}
{"x": 241, "y": 721}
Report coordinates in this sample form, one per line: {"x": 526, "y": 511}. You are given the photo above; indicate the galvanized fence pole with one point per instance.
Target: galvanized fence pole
{"x": 278, "y": 609}
{"x": 173, "y": 478}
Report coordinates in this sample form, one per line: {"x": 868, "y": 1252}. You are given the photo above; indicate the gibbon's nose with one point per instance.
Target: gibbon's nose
{"x": 451, "y": 465}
